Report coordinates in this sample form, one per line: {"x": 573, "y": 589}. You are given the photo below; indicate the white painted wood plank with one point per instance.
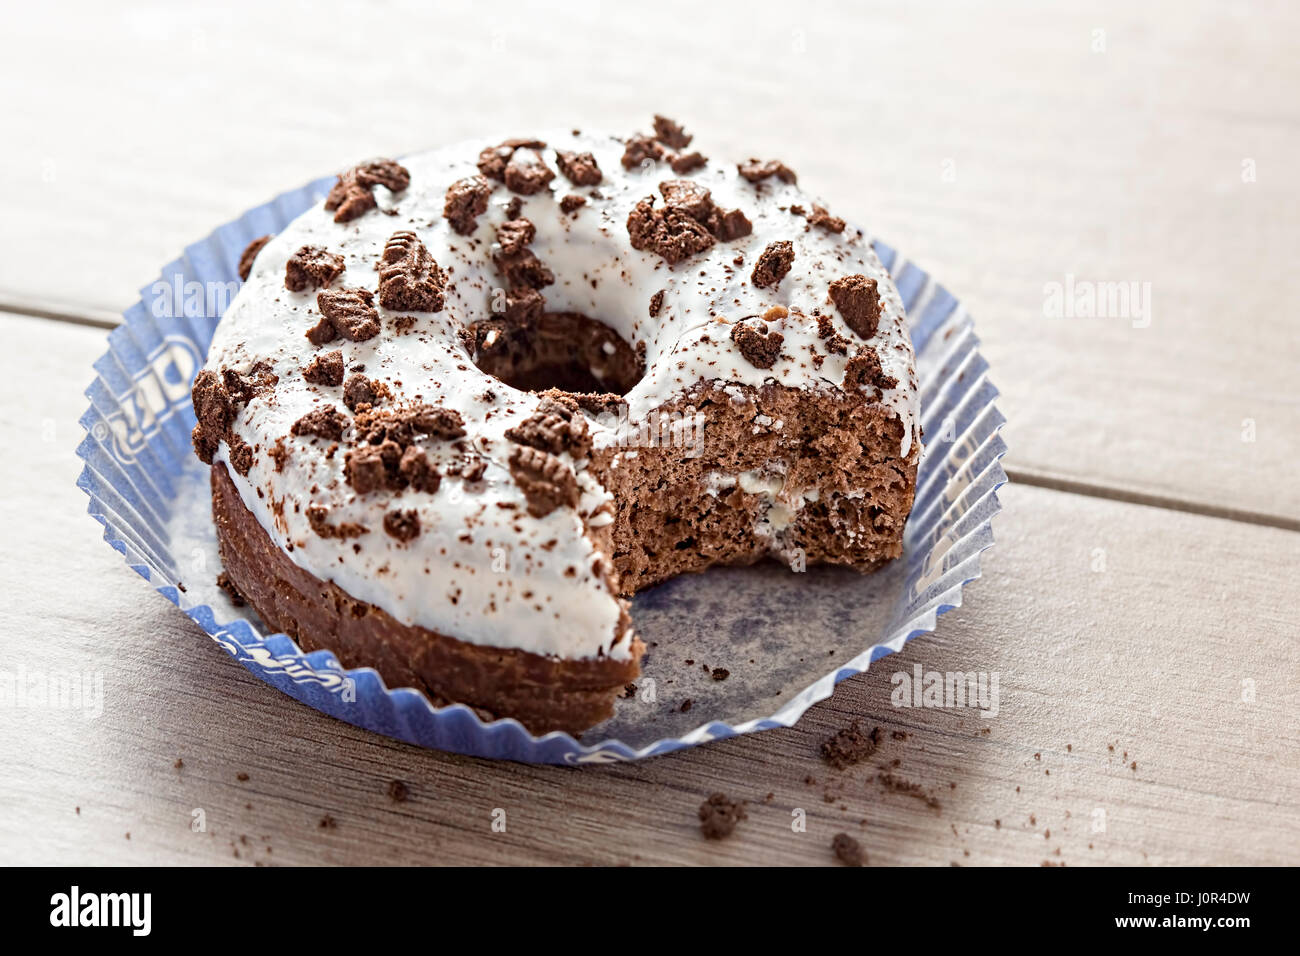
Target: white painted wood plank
{"x": 1108, "y": 624}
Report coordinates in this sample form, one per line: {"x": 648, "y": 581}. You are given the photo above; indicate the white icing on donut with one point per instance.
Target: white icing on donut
{"x": 478, "y": 571}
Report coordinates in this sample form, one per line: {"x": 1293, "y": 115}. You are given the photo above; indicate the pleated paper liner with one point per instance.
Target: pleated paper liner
{"x": 773, "y": 631}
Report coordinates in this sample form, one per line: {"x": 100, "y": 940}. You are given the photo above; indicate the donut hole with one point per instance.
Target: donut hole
{"x": 561, "y": 350}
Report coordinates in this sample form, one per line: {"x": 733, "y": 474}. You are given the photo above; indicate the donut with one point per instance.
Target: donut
{"x": 470, "y": 403}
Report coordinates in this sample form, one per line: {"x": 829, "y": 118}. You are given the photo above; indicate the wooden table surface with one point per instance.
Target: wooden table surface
{"x": 1140, "y": 604}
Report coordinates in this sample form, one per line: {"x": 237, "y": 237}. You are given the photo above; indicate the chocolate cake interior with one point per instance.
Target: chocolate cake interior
{"x": 717, "y": 477}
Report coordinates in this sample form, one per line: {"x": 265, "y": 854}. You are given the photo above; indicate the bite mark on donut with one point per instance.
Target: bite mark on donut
{"x": 858, "y": 300}
{"x": 409, "y": 278}
{"x": 311, "y": 266}
{"x": 353, "y": 194}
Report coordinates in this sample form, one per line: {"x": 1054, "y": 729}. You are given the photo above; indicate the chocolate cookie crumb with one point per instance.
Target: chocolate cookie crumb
{"x": 670, "y": 133}
{"x": 824, "y": 220}
{"x": 719, "y": 816}
{"x": 492, "y": 162}
{"x": 687, "y": 163}
{"x": 773, "y": 265}
{"x": 353, "y": 194}
{"x": 311, "y": 267}
{"x": 836, "y": 344}
{"x": 514, "y": 234}
{"x": 409, "y": 278}
{"x": 756, "y": 171}
{"x": 248, "y": 255}
{"x": 760, "y": 349}
{"x": 848, "y": 850}
{"x": 554, "y": 427}
{"x": 864, "y": 370}
{"x": 670, "y": 233}
{"x": 850, "y": 745}
{"x": 325, "y": 369}
{"x": 326, "y": 422}
{"x": 349, "y": 313}
{"x": 641, "y": 149}
{"x": 358, "y": 391}
{"x": 572, "y": 203}
{"x": 578, "y": 168}
{"x": 466, "y": 200}
{"x": 720, "y": 673}
{"x": 546, "y": 481}
{"x": 404, "y": 525}
{"x": 656, "y": 303}
{"x": 858, "y": 300}
{"x": 527, "y": 173}
{"x": 318, "y": 518}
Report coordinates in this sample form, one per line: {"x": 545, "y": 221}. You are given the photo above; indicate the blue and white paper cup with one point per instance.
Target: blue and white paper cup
{"x": 770, "y": 629}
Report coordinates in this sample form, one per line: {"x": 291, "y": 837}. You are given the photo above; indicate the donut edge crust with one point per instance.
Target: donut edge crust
{"x": 542, "y": 693}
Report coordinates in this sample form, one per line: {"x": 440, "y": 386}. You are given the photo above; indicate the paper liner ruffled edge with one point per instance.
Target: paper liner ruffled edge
{"x": 137, "y": 439}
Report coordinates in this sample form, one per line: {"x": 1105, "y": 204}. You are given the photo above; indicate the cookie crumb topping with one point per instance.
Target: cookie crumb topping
{"x": 327, "y": 422}
{"x": 774, "y": 264}
{"x": 404, "y": 525}
{"x": 578, "y": 168}
{"x": 858, "y": 300}
{"x": 527, "y": 173}
{"x": 409, "y": 278}
{"x": 761, "y": 349}
{"x": 640, "y": 150}
{"x": 756, "y": 170}
{"x": 325, "y": 369}
{"x": 466, "y": 200}
{"x": 546, "y": 482}
{"x": 311, "y": 267}
{"x": 670, "y": 133}
{"x": 688, "y": 223}
{"x": 349, "y": 313}
{"x": 353, "y": 195}
{"x": 249, "y": 254}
